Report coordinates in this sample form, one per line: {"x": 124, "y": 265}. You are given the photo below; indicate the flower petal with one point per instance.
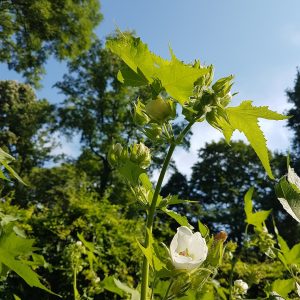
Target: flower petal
{"x": 197, "y": 247}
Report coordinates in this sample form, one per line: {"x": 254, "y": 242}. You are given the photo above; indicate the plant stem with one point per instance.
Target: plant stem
{"x": 168, "y": 290}
{"x": 151, "y": 213}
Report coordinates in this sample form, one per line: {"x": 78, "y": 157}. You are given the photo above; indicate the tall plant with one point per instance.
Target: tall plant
{"x": 186, "y": 91}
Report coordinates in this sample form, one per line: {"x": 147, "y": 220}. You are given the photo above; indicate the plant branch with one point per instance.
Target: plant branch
{"x": 151, "y": 213}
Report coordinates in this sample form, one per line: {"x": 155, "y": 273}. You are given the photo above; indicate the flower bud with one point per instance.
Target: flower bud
{"x": 153, "y": 132}
{"x": 139, "y": 116}
{"x": 222, "y": 86}
{"x": 241, "y": 286}
{"x": 221, "y": 236}
{"x": 140, "y": 154}
{"x": 160, "y": 110}
{"x": 117, "y": 155}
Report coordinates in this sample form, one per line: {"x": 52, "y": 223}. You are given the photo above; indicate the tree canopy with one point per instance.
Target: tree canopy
{"x": 33, "y": 30}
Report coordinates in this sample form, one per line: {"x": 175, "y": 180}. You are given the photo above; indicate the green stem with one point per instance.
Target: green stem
{"x": 168, "y": 290}
{"x": 151, "y": 213}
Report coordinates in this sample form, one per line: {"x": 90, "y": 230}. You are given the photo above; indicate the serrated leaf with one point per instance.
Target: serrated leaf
{"x": 288, "y": 197}
{"x": 245, "y": 119}
{"x": 181, "y": 220}
{"x": 258, "y": 218}
{"x": 176, "y": 77}
{"x": 283, "y": 286}
{"x": 24, "y": 271}
{"x": 131, "y": 172}
{"x": 293, "y": 256}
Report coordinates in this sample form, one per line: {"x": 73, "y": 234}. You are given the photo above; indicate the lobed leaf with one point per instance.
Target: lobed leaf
{"x": 176, "y": 77}
{"x": 245, "y": 119}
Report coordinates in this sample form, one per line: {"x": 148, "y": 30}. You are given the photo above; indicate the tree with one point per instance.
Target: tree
{"x": 32, "y": 30}
{"x": 25, "y": 122}
{"x": 96, "y": 107}
{"x": 294, "y": 122}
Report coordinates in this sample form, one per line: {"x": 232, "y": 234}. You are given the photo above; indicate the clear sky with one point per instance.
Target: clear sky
{"x": 257, "y": 41}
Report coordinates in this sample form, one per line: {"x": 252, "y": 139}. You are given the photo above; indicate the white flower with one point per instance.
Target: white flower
{"x": 188, "y": 250}
{"x": 298, "y": 288}
{"x": 241, "y": 285}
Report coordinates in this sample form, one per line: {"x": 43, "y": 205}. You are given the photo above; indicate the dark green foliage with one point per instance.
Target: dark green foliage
{"x": 25, "y": 122}
{"x": 32, "y": 30}
{"x": 66, "y": 205}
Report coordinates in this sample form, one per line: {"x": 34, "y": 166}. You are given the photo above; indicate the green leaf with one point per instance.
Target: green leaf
{"x": 149, "y": 253}
{"x": 176, "y": 77}
{"x": 288, "y": 197}
{"x": 135, "y": 295}
{"x": 283, "y": 286}
{"x": 130, "y": 78}
{"x": 12, "y": 172}
{"x": 24, "y": 271}
{"x": 245, "y": 119}
{"x": 131, "y": 172}
{"x": 258, "y": 218}
{"x": 108, "y": 283}
{"x": 181, "y": 220}
{"x": 293, "y": 256}
{"x": 203, "y": 229}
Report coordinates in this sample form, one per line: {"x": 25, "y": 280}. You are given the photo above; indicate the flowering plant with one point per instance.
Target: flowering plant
{"x": 193, "y": 258}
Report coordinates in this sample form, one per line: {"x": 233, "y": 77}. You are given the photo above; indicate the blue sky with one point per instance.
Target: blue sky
{"x": 257, "y": 41}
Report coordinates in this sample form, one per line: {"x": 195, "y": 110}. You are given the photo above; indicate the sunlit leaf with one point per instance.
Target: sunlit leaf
{"x": 245, "y": 119}
{"x": 176, "y": 77}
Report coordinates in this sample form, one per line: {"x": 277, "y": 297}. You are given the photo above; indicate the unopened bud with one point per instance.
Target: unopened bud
{"x": 222, "y": 86}
{"x": 139, "y": 115}
{"x": 221, "y": 236}
{"x": 140, "y": 154}
{"x": 160, "y": 110}
{"x": 241, "y": 286}
{"x": 117, "y": 155}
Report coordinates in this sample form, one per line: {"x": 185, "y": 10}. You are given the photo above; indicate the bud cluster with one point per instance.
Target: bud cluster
{"x": 209, "y": 102}
{"x": 138, "y": 154}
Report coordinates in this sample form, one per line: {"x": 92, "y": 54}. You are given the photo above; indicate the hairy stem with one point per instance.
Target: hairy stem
{"x": 152, "y": 209}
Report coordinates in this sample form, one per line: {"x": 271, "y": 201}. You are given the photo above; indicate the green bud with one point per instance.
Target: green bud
{"x": 139, "y": 116}
{"x": 140, "y": 154}
{"x": 153, "y": 132}
{"x": 117, "y": 155}
{"x": 160, "y": 110}
{"x": 223, "y": 86}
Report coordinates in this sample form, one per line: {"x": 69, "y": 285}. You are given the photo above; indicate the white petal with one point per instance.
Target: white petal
{"x": 184, "y": 235}
{"x": 197, "y": 248}
{"x": 298, "y": 288}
